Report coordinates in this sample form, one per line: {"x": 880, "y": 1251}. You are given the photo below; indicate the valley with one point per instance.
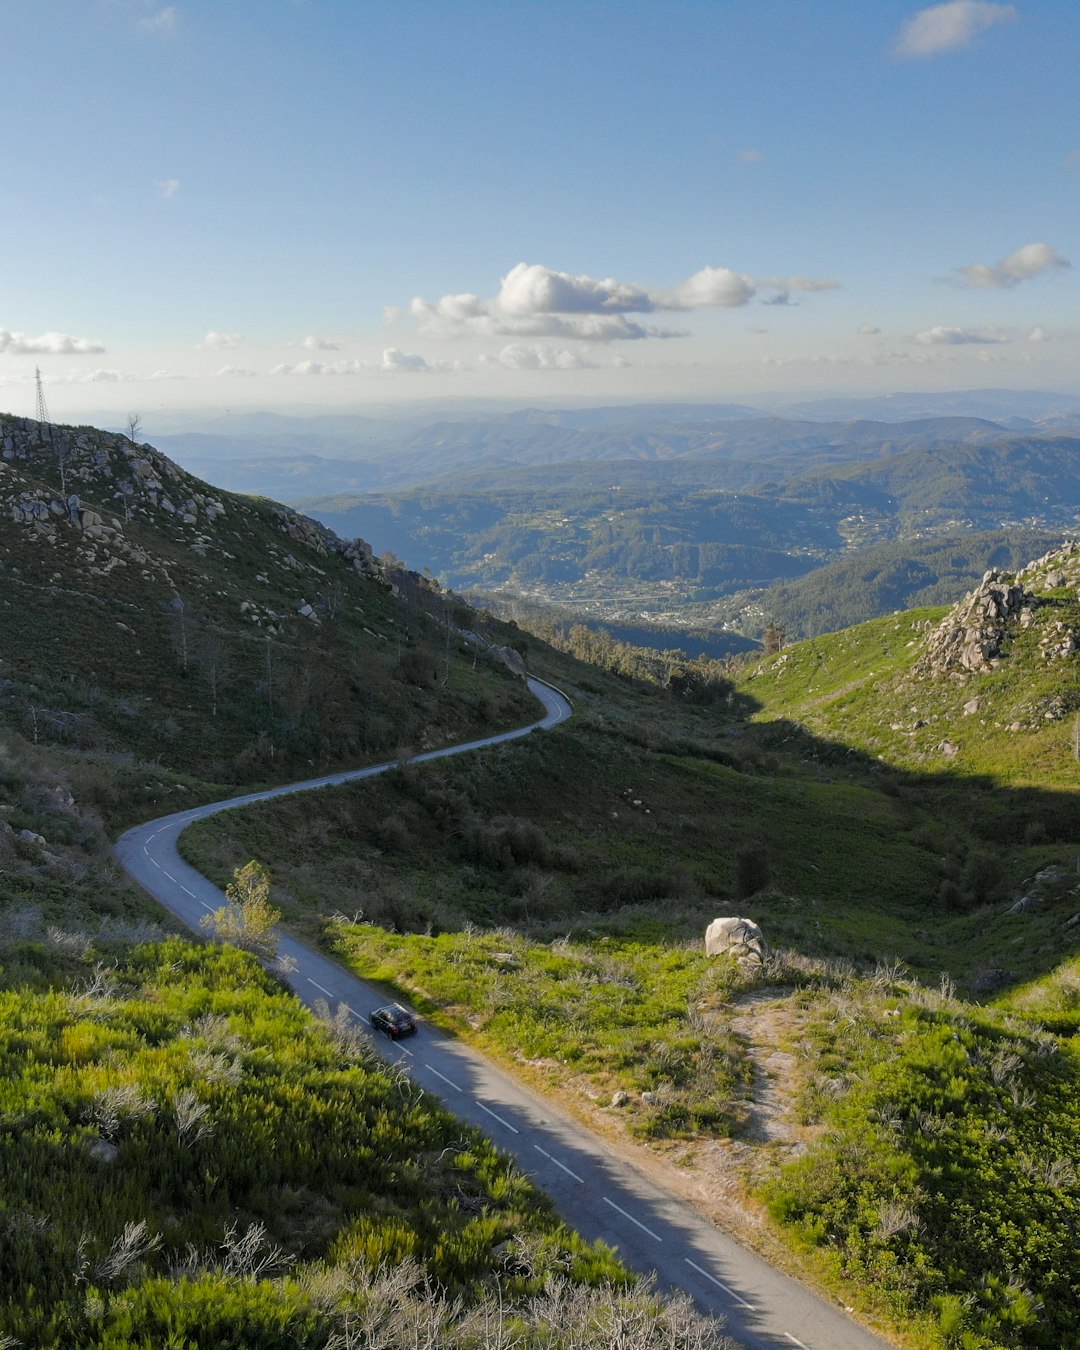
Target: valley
{"x": 893, "y": 803}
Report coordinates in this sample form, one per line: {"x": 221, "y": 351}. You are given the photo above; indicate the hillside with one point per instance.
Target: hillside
{"x": 187, "y": 1156}
{"x": 223, "y": 636}
{"x": 895, "y": 804}
{"x": 689, "y": 541}
{"x": 883, "y": 578}
{"x": 883, "y": 819}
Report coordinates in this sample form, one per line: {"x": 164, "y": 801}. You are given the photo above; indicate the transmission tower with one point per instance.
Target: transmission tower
{"x": 42, "y": 410}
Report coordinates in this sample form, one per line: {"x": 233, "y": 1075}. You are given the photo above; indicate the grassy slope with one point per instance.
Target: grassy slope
{"x": 187, "y": 1156}
{"x": 875, "y": 845}
{"x": 110, "y": 643}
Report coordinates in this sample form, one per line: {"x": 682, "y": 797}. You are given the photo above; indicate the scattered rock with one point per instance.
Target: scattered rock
{"x": 972, "y": 635}
{"x": 990, "y": 981}
{"x": 620, "y": 1098}
{"x": 742, "y": 938}
{"x": 102, "y": 1151}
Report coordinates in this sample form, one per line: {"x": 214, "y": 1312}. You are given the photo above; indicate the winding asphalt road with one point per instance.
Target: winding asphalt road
{"x": 596, "y": 1191}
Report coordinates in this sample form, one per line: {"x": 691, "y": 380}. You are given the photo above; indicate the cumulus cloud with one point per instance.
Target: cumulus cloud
{"x": 163, "y": 21}
{"x": 534, "y": 301}
{"x": 392, "y": 362}
{"x": 945, "y": 28}
{"x": 318, "y": 344}
{"x": 1038, "y": 334}
{"x": 713, "y": 288}
{"x": 235, "y": 370}
{"x": 535, "y": 356}
{"x": 1030, "y": 261}
{"x": 395, "y": 362}
{"x": 167, "y": 187}
{"x": 222, "y": 341}
{"x": 530, "y": 288}
{"x": 869, "y": 329}
{"x": 940, "y": 336}
{"x": 302, "y": 368}
{"x": 48, "y": 344}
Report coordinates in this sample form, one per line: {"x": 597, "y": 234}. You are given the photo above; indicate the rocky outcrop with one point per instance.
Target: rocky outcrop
{"x": 741, "y": 938}
{"x": 973, "y": 634}
{"x": 511, "y": 659}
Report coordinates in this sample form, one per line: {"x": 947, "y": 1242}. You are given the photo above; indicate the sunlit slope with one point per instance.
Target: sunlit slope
{"x": 879, "y": 689}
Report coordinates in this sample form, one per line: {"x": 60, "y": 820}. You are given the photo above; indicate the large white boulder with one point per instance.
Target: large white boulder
{"x": 741, "y": 937}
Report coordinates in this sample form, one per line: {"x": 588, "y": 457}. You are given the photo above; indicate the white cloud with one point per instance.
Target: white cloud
{"x": 534, "y": 356}
{"x": 317, "y": 344}
{"x": 303, "y": 368}
{"x": 48, "y": 344}
{"x": 1029, "y": 261}
{"x": 106, "y": 376}
{"x": 751, "y": 156}
{"x": 392, "y": 362}
{"x": 713, "y": 287}
{"x": 222, "y": 341}
{"x": 1038, "y": 334}
{"x": 534, "y": 301}
{"x": 941, "y": 336}
{"x": 945, "y": 28}
{"x": 167, "y": 188}
{"x": 164, "y": 21}
{"x": 395, "y": 362}
{"x": 869, "y": 329}
{"x": 235, "y": 370}
{"x": 530, "y": 288}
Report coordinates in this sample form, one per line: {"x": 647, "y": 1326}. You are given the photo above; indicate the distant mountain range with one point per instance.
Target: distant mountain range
{"x": 679, "y": 514}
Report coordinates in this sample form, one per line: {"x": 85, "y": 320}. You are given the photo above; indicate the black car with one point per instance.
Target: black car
{"x": 394, "y": 1021}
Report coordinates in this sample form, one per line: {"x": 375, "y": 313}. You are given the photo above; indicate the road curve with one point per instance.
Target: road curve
{"x": 596, "y": 1191}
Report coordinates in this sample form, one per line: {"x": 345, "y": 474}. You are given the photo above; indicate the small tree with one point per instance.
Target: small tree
{"x": 134, "y": 426}
{"x": 249, "y": 919}
{"x": 774, "y": 639}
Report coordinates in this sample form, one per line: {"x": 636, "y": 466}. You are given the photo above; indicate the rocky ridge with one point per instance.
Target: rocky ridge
{"x": 974, "y": 635}
{"x": 92, "y": 491}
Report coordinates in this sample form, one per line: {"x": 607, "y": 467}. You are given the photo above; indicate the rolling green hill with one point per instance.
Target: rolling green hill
{"x": 681, "y": 540}
{"x": 187, "y": 1156}
{"x": 906, "y": 837}
{"x": 895, "y": 804}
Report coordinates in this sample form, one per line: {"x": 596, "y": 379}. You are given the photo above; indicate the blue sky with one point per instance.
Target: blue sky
{"x": 218, "y": 203}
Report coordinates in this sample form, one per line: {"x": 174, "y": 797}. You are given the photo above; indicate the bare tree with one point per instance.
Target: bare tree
{"x": 212, "y": 656}
{"x": 134, "y": 425}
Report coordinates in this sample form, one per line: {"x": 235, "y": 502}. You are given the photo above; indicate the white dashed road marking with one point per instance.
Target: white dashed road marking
{"x": 721, "y": 1285}
{"x": 320, "y": 988}
{"x": 655, "y": 1236}
{"x": 793, "y": 1341}
{"x": 443, "y": 1076}
{"x": 497, "y": 1117}
{"x": 557, "y": 1163}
